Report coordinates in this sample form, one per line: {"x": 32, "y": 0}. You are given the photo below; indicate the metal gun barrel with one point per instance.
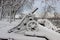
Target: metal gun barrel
{"x": 35, "y": 10}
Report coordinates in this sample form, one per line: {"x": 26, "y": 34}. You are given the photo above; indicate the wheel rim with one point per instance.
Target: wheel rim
{"x": 32, "y": 25}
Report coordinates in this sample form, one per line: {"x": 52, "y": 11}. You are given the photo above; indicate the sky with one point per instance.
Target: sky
{"x": 41, "y": 4}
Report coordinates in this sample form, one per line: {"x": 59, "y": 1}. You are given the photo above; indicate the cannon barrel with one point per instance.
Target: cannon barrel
{"x": 35, "y": 10}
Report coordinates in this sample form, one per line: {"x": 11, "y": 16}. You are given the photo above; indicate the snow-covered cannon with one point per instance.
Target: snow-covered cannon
{"x": 29, "y": 22}
{"x": 25, "y": 22}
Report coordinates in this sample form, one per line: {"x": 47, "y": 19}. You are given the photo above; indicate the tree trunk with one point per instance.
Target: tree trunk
{"x": 10, "y": 19}
{"x": 0, "y": 13}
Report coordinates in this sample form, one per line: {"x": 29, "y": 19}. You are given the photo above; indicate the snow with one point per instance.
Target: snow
{"x": 47, "y": 23}
{"x": 43, "y": 31}
{"x": 52, "y": 35}
{"x": 5, "y": 26}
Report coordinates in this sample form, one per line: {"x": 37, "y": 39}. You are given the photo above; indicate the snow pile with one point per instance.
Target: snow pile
{"x": 47, "y": 24}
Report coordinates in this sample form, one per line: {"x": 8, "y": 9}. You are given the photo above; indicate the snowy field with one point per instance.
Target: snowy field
{"x": 43, "y": 31}
{"x": 5, "y": 26}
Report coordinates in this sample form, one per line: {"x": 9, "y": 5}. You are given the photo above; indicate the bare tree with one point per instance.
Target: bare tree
{"x": 49, "y": 7}
{"x": 10, "y": 7}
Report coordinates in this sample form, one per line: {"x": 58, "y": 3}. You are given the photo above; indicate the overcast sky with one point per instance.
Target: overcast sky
{"x": 41, "y": 4}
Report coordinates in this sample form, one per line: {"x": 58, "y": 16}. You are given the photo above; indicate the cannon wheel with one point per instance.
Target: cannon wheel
{"x": 32, "y": 25}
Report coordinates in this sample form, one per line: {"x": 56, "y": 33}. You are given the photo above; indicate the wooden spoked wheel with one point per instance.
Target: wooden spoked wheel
{"x": 31, "y": 25}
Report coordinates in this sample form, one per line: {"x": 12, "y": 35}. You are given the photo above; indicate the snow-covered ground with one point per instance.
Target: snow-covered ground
{"x": 43, "y": 31}
{"x": 5, "y": 26}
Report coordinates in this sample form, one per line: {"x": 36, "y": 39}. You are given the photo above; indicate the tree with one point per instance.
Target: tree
{"x": 49, "y": 7}
{"x": 11, "y": 7}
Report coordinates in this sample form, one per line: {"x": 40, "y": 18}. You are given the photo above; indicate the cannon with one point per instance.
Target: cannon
{"x": 25, "y": 23}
